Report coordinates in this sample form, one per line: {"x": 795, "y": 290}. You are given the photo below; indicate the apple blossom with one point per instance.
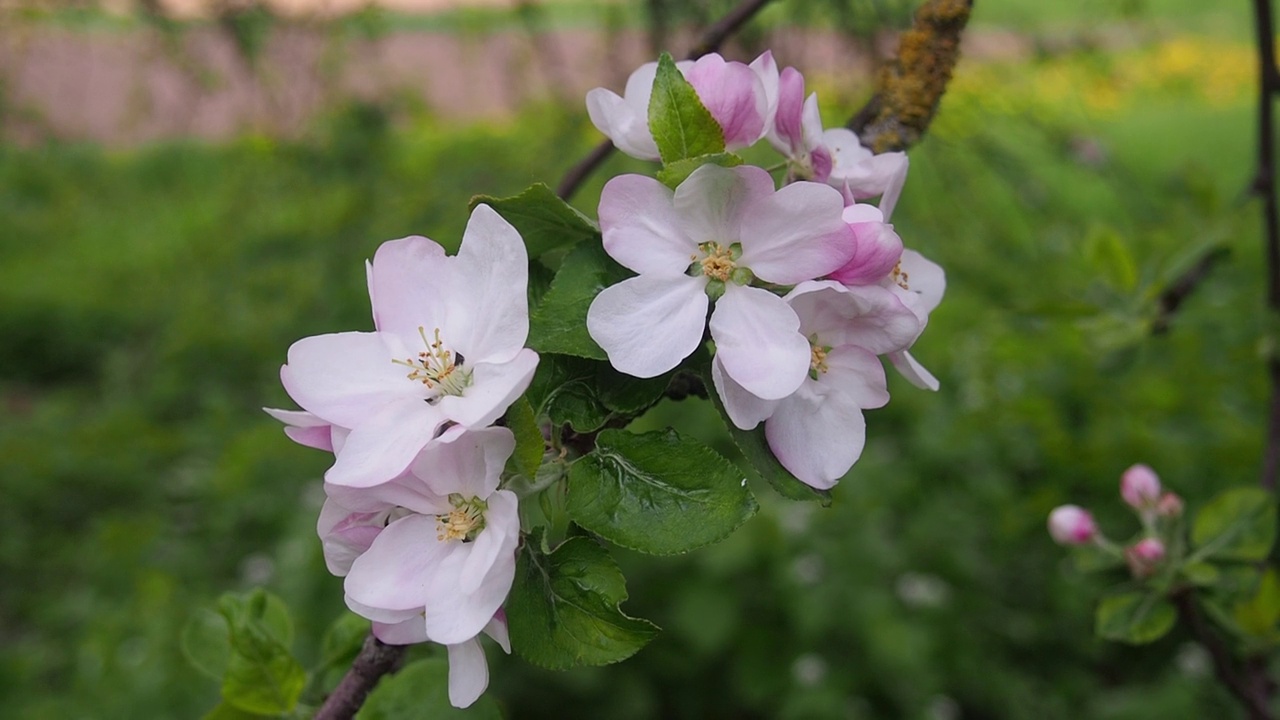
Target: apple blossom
{"x": 741, "y": 98}
{"x": 448, "y": 346}
{"x": 818, "y": 431}
{"x": 1169, "y": 505}
{"x": 919, "y": 283}
{"x": 797, "y": 129}
{"x": 721, "y": 229}
{"x": 877, "y": 248}
{"x": 858, "y": 173}
{"x": 436, "y": 544}
{"x": 1144, "y": 557}
{"x": 1140, "y": 487}
{"x": 1072, "y": 525}
{"x": 468, "y": 670}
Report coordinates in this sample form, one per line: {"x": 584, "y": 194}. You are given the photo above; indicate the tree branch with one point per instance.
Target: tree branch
{"x": 910, "y": 86}
{"x": 711, "y": 40}
{"x": 1180, "y": 289}
{"x": 1264, "y": 187}
{"x": 375, "y": 660}
{"x": 1252, "y": 690}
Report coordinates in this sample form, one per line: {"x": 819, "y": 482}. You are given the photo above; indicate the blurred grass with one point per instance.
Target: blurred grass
{"x": 148, "y": 297}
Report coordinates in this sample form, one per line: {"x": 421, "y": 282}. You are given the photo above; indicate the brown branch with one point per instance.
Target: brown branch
{"x": 1180, "y": 289}
{"x": 711, "y": 40}
{"x": 1264, "y": 187}
{"x": 375, "y": 660}
{"x": 910, "y": 86}
{"x": 1251, "y": 689}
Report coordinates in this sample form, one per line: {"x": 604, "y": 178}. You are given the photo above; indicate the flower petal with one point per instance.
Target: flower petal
{"x": 787, "y": 134}
{"x": 488, "y": 317}
{"x": 857, "y": 374}
{"x": 468, "y": 673}
{"x": 501, "y": 530}
{"x": 796, "y": 234}
{"x": 712, "y": 200}
{"x": 346, "y": 534}
{"x": 467, "y": 462}
{"x": 407, "y": 285}
{"x": 304, "y": 428}
{"x": 758, "y": 341}
{"x": 497, "y": 629}
{"x": 868, "y": 316}
{"x": 646, "y": 324}
{"x": 926, "y": 278}
{"x": 817, "y": 437}
{"x": 640, "y": 227}
{"x": 494, "y": 386}
{"x": 453, "y": 616}
{"x": 734, "y": 95}
{"x": 913, "y": 371}
{"x": 400, "y": 568}
{"x": 381, "y": 448}
{"x": 346, "y": 378}
{"x": 744, "y": 409}
{"x": 408, "y": 632}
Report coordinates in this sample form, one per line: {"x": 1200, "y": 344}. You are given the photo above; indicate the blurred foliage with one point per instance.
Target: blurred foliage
{"x": 147, "y": 297}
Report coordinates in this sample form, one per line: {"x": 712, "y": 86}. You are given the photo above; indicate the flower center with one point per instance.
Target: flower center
{"x": 899, "y": 276}
{"x": 437, "y": 367}
{"x": 817, "y": 358}
{"x": 464, "y": 522}
{"x": 718, "y": 263}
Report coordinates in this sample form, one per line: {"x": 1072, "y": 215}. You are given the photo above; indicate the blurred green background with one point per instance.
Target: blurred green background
{"x": 148, "y": 295}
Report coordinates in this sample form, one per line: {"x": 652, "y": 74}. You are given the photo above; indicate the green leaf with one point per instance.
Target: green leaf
{"x": 559, "y": 324}
{"x": 530, "y": 444}
{"x": 564, "y": 389}
{"x": 1135, "y": 618}
{"x": 343, "y": 640}
{"x": 206, "y": 642}
{"x": 1091, "y": 558}
{"x": 657, "y": 492}
{"x": 680, "y": 124}
{"x": 1258, "y": 615}
{"x": 1237, "y": 525}
{"x": 680, "y": 170}
{"x": 544, "y": 220}
{"x": 227, "y": 711}
{"x": 1110, "y": 258}
{"x": 421, "y": 690}
{"x": 563, "y": 609}
{"x": 1201, "y": 573}
{"x": 755, "y": 448}
{"x": 262, "y": 676}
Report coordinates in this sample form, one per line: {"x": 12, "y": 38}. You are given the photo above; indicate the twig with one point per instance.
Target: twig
{"x": 1264, "y": 187}
{"x": 711, "y": 40}
{"x": 911, "y": 86}
{"x": 1180, "y": 289}
{"x": 375, "y": 660}
{"x": 1252, "y": 689}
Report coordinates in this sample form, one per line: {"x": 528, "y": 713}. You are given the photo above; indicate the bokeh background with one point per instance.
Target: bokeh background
{"x": 188, "y": 187}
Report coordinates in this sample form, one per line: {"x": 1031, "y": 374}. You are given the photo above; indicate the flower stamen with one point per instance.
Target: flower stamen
{"x": 900, "y": 276}
{"x": 718, "y": 264}
{"x": 437, "y": 367}
{"x": 817, "y": 359}
{"x": 464, "y": 522}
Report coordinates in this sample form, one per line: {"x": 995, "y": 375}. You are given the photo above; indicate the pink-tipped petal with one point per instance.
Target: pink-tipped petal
{"x": 870, "y": 317}
{"x": 758, "y": 341}
{"x": 787, "y": 136}
{"x": 734, "y": 95}
{"x": 647, "y": 325}
{"x": 796, "y": 234}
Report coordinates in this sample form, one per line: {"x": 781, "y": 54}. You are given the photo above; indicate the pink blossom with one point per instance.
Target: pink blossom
{"x": 919, "y": 283}
{"x": 448, "y": 346}
{"x": 1169, "y": 506}
{"x": 1140, "y": 487}
{"x": 797, "y": 129}
{"x": 1144, "y": 557}
{"x": 818, "y": 431}
{"x": 720, "y": 230}
{"x": 877, "y": 248}
{"x": 1072, "y": 525}
{"x": 860, "y": 174}
{"x": 740, "y": 97}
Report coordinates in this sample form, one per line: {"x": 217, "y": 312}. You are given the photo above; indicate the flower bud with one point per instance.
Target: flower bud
{"x": 1072, "y": 525}
{"x": 1140, "y": 487}
{"x": 1144, "y": 557}
{"x": 1169, "y": 506}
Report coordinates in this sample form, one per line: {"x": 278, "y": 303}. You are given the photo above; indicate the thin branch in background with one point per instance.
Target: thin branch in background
{"x": 911, "y": 85}
{"x": 1180, "y": 289}
{"x": 1252, "y": 688}
{"x": 711, "y": 40}
{"x": 1264, "y": 187}
{"x": 375, "y": 660}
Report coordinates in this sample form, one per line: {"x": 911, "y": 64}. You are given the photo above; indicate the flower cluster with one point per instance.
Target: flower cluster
{"x": 801, "y": 287}
{"x": 415, "y": 520}
{"x": 1157, "y": 509}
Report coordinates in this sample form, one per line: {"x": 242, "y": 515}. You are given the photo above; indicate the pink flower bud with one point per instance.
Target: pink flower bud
{"x": 1072, "y": 525}
{"x": 1140, "y": 487}
{"x": 1144, "y": 557}
{"x": 1169, "y": 506}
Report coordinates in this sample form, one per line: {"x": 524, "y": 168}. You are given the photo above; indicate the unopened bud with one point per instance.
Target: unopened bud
{"x": 1140, "y": 487}
{"x": 1144, "y": 557}
{"x": 1169, "y": 506}
{"x": 1072, "y": 525}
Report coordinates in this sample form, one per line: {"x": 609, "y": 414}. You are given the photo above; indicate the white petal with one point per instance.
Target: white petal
{"x": 399, "y": 570}
{"x": 346, "y": 534}
{"x": 818, "y": 438}
{"x": 467, "y": 462}
{"x": 889, "y": 200}
{"x": 796, "y": 234}
{"x": 407, "y": 285}
{"x": 758, "y": 341}
{"x": 856, "y": 374}
{"x": 646, "y": 324}
{"x": 409, "y": 632}
{"x": 502, "y": 523}
{"x": 497, "y": 629}
{"x": 382, "y": 615}
{"x": 868, "y": 316}
{"x": 488, "y": 317}
{"x": 711, "y": 202}
{"x": 926, "y": 278}
{"x": 494, "y": 386}
{"x": 346, "y": 378}
{"x": 452, "y": 615}
{"x": 382, "y": 447}
{"x": 641, "y": 229}
{"x": 468, "y": 673}
{"x": 744, "y": 409}
{"x": 913, "y": 371}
